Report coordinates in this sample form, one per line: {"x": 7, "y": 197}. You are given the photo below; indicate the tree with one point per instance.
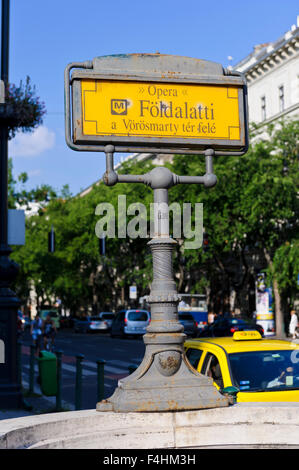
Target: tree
{"x": 36, "y": 264}
{"x": 75, "y": 272}
{"x": 253, "y": 208}
{"x": 250, "y": 216}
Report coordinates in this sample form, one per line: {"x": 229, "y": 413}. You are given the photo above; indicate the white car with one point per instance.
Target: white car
{"x": 106, "y": 320}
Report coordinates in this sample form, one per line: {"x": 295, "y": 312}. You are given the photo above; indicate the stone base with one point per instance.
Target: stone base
{"x": 150, "y": 388}
{"x": 254, "y": 425}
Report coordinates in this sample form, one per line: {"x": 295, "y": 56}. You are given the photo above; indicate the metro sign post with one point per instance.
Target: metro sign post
{"x": 165, "y": 104}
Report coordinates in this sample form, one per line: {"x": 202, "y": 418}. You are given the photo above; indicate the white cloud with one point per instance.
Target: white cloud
{"x": 33, "y": 143}
{"x": 34, "y": 173}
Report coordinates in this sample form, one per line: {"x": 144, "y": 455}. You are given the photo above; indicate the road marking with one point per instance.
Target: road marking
{"x": 115, "y": 370}
{"x": 51, "y": 400}
{"x": 93, "y": 365}
{"x": 27, "y": 366}
{"x": 108, "y": 368}
{"x": 73, "y": 369}
{"x": 126, "y": 364}
{"x": 65, "y": 367}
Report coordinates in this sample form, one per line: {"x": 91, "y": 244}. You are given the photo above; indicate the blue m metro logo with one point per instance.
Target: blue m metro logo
{"x": 119, "y": 107}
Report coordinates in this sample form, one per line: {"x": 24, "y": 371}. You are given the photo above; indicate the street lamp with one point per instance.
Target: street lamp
{"x": 10, "y": 390}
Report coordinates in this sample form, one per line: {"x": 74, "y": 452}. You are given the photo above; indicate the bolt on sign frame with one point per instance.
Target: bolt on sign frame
{"x": 155, "y": 103}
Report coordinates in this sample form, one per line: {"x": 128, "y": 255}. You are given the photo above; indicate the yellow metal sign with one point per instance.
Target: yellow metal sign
{"x": 160, "y": 110}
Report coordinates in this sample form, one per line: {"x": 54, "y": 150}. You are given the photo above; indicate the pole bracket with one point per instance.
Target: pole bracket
{"x": 160, "y": 177}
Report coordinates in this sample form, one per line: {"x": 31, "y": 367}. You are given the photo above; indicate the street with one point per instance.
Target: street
{"x": 118, "y": 354}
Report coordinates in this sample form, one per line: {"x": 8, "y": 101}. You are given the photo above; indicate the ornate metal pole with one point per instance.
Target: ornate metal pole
{"x": 10, "y": 390}
{"x": 164, "y": 380}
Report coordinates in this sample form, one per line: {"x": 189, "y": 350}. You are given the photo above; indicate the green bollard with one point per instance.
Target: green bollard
{"x": 31, "y": 370}
{"x": 78, "y": 392}
{"x": 59, "y": 374}
{"x": 100, "y": 389}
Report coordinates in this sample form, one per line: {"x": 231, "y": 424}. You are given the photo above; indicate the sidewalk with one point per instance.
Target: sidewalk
{"x": 40, "y": 405}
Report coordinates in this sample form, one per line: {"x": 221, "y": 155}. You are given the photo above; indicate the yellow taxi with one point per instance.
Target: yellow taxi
{"x": 248, "y": 367}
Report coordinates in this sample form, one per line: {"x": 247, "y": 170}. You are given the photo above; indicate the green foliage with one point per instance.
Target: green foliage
{"x": 76, "y": 272}
{"x": 252, "y": 213}
{"x": 286, "y": 266}
{"x": 253, "y": 209}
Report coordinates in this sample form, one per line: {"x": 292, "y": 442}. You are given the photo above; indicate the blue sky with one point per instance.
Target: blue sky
{"x": 46, "y": 35}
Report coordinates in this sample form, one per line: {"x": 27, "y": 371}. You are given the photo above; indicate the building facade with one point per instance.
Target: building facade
{"x": 272, "y": 73}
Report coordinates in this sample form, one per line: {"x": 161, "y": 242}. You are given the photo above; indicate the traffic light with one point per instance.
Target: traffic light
{"x": 51, "y": 241}
{"x": 205, "y": 242}
{"x": 102, "y": 245}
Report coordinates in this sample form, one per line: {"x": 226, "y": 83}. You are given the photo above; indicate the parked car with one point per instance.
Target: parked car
{"x": 53, "y": 314}
{"x": 107, "y": 319}
{"x": 190, "y": 325}
{"x": 130, "y": 322}
{"x": 250, "y": 368}
{"x": 227, "y": 326}
{"x": 89, "y": 324}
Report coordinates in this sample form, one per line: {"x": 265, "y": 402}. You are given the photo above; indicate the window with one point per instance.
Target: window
{"x": 264, "y": 370}
{"x": 193, "y": 356}
{"x": 281, "y": 98}
{"x": 211, "y": 368}
{"x": 263, "y": 107}
{"x": 137, "y": 315}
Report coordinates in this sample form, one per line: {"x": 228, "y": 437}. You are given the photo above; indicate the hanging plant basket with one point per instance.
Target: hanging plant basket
{"x": 23, "y": 110}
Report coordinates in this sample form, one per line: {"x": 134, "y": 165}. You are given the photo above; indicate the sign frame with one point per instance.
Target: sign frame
{"x": 109, "y": 69}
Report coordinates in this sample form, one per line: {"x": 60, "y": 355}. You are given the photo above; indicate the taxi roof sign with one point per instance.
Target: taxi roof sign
{"x": 246, "y": 335}
{"x": 154, "y": 102}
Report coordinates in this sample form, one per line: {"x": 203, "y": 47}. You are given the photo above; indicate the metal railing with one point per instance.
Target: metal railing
{"x": 33, "y": 360}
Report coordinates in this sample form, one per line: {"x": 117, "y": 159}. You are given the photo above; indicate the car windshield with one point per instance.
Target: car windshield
{"x": 137, "y": 315}
{"x": 94, "y": 318}
{"x": 237, "y": 321}
{"x": 265, "y": 370}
